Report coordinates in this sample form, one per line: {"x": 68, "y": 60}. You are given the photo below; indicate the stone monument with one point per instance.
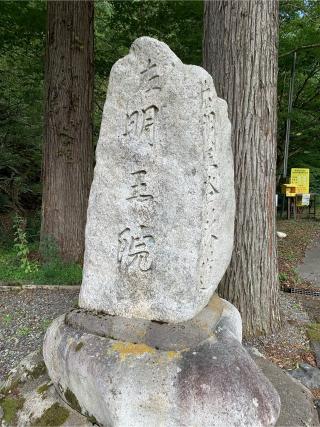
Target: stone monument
{"x": 151, "y": 344}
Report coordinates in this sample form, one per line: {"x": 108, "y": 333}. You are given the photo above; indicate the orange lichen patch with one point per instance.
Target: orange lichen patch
{"x": 125, "y": 349}
{"x": 173, "y": 354}
{"x": 215, "y": 304}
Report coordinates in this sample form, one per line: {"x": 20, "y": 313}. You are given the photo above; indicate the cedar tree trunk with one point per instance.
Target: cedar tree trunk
{"x": 68, "y": 146}
{"x": 240, "y": 52}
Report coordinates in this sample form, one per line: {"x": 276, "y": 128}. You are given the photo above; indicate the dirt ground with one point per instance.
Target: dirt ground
{"x": 291, "y": 345}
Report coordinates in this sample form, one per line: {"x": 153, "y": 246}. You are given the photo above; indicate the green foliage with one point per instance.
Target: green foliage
{"x": 22, "y": 46}
{"x": 22, "y": 31}
{"x": 49, "y": 250}
{"x": 58, "y": 274}
{"x": 51, "y": 273}
{"x": 45, "y": 324}
{"x": 117, "y": 24}
{"x": 300, "y": 27}
{"x": 313, "y": 331}
{"x": 23, "y": 331}
{"x": 7, "y": 318}
{"x": 283, "y": 277}
{"x": 22, "y": 248}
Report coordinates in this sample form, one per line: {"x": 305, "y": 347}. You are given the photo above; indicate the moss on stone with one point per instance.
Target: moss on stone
{"x": 313, "y": 330}
{"x": 13, "y": 386}
{"x": 91, "y": 418}
{"x": 79, "y": 346}
{"x": 10, "y": 408}
{"x": 72, "y": 400}
{"x": 56, "y": 415}
{"x": 43, "y": 388}
{"x": 37, "y": 371}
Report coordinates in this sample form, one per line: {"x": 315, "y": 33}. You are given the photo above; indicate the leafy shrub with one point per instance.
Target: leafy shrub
{"x": 21, "y": 246}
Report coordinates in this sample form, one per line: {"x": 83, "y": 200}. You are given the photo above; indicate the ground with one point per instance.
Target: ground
{"x": 25, "y": 314}
{"x": 291, "y": 344}
{"x": 291, "y": 250}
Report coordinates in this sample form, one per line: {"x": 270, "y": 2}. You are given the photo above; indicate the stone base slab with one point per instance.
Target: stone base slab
{"x": 213, "y": 382}
{"x": 29, "y": 399}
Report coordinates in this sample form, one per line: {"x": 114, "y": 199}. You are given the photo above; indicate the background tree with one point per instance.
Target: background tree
{"x": 22, "y": 30}
{"x": 240, "y": 52}
{"x": 117, "y": 24}
{"x": 68, "y": 143}
{"x": 300, "y": 31}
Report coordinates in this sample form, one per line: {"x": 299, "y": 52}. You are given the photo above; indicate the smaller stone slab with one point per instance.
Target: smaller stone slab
{"x": 28, "y": 398}
{"x": 160, "y": 335}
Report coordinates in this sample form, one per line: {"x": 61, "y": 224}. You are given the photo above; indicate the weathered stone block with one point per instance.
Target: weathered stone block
{"x": 159, "y": 233}
{"x": 212, "y": 382}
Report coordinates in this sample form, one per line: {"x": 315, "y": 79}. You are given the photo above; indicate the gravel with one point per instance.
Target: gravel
{"x": 24, "y": 318}
{"x": 26, "y": 314}
{"x": 290, "y": 345}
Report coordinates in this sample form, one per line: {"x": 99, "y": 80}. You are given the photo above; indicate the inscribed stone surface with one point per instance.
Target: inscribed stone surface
{"x": 159, "y": 232}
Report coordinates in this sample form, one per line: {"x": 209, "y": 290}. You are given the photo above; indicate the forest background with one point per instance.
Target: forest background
{"x": 117, "y": 24}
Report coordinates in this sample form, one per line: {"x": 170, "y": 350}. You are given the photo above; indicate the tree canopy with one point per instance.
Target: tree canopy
{"x": 299, "y": 32}
{"x": 117, "y": 24}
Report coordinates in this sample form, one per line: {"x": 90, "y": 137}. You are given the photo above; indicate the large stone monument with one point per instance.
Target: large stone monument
{"x": 151, "y": 344}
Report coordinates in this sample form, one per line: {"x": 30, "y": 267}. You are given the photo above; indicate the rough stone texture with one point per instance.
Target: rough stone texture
{"x": 316, "y": 348}
{"x": 297, "y": 407}
{"x": 159, "y": 232}
{"x": 36, "y": 400}
{"x": 160, "y": 335}
{"x": 214, "y": 383}
{"x": 308, "y": 375}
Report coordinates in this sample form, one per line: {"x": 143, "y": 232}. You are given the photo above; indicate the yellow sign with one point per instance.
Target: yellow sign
{"x": 300, "y": 178}
{"x": 289, "y": 190}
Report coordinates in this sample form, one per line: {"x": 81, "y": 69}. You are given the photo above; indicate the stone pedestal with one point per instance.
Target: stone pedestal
{"x": 151, "y": 374}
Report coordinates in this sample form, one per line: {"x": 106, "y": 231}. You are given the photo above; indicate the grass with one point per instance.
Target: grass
{"x": 7, "y": 319}
{"x": 291, "y": 249}
{"x": 313, "y": 331}
{"x": 24, "y": 331}
{"x": 51, "y": 273}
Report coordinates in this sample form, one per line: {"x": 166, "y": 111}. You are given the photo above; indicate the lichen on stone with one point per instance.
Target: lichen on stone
{"x": 125, "y": 349}
{"x": 72, "y": 400}
{"x": 56, "y": 415}
{"x": 173, "y": 354}
{"x": 79, "y": 346}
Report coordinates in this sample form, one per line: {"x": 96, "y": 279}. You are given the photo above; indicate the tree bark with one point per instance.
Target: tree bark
{"x": 68, "y": 144}
{"x": 240, "y": 52}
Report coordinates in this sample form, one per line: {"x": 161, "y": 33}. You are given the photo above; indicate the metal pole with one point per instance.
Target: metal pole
{"x": 288, "y": 126}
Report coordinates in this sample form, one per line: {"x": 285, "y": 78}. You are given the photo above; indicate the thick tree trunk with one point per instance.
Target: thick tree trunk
{"x": 68, "y": 145}
{"x": 240, "y": 52}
